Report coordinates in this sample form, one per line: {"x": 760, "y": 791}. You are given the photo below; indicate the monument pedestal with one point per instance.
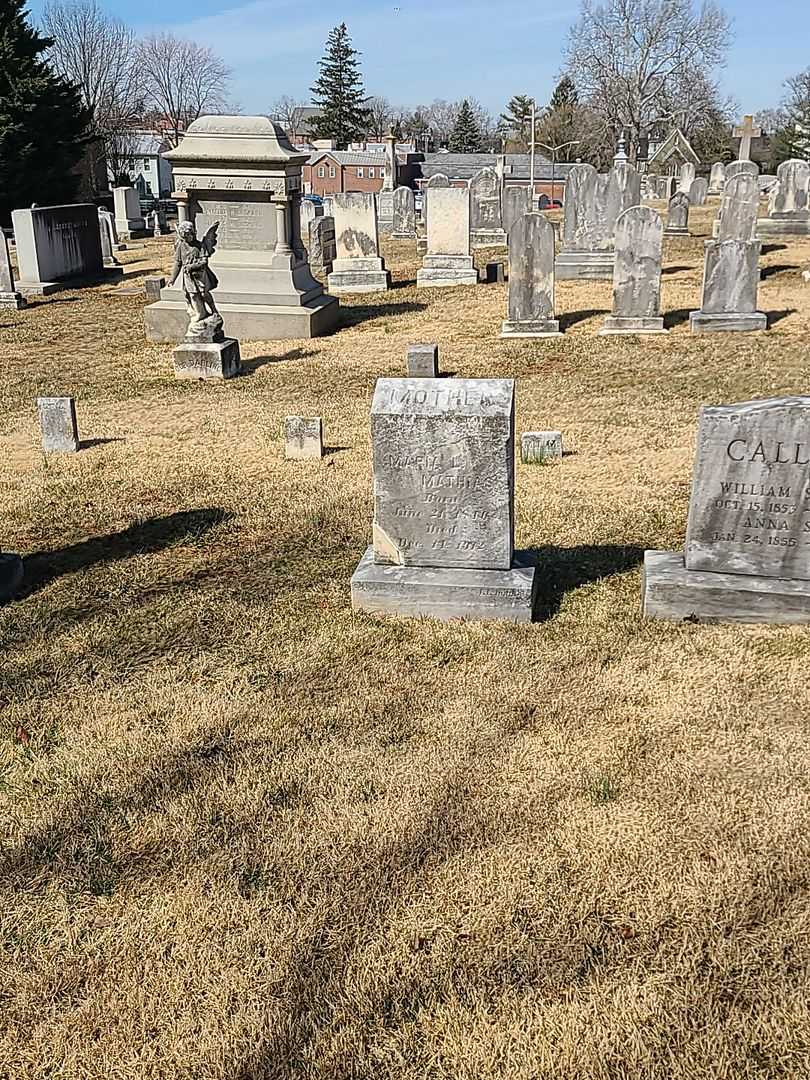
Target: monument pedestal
{"x": 11, "y": 575}
{"x": 796, "y": 223}
{"x": 670, "y": 591}
{"x": 446, "y": 271}
{"x": 207, "y": 359}
{"x": 358, "y": 276}
{"x": 12, "y": 300}
{"x": 676, "y": 231}
{"x": 531, "y": 328}
{"x": 167, "y": 320}
{"x": 576, "y": 265}
{"x": 702, "y": 322}
{"x": 628, "y": 324}
{"x": 446, "y": 593}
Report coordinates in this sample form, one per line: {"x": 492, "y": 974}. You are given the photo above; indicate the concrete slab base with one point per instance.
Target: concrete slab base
{"x": 676, "y": 232}
{"x": 444, "y": 593}
{"x": 207, "y": 360}
{"x": 670, "y": 591}
{"x": 11, "y": 575}
{"x": 531, "y": 328}
{"x": 12, "y": 300}
{"x": 625, "y": 324}
{"x": 167, "y": 320}
{"x": 46, "y": 288}
{"x": 341, "y": 282}
{"x": 578, "y": 265}
{"x": 772, "y": 226}
{"x": 732, "y": 322}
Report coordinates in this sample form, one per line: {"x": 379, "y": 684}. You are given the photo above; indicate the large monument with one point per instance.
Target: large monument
{"x": 243, "y": 172}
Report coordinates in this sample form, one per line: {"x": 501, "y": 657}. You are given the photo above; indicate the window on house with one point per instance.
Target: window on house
{"x": 322, "y": 171}
{"x": 146, "y": 163}
{"x": 361, "y": 173}
{"x": 332, "y": 171}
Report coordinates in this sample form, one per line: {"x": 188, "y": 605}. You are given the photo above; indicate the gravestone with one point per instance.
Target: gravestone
{"x": 717, "y": 178}
{"x": 129, "y": 221}
{"x": 747, "y": 554}
{"x": 59, "y": 247}
{"x": 541, "y": 447}
{"x": 486, "y": 216}
{"x": 404, "y": 214}
{"x": 358, "y": 267}
{"x": 730, "y": 283}
{"x": 57, "y": 421}
{"x": 242, "y": 172}
{"x": 592, "y": 206}
{"x": 423, "y": 361}
{"x": 106, "y": 234}
{"x": 531, "y": 279}
{"x": 516, "y": 203}
{"x": 698, "y": 190}
{"x": 448, "y": 260}
{"x": 308, "y": 211}
{"x": 207, "y": 361}
{"x": 443, "y": 534}
{"x": 494, "y": 273}
{"x": 637, "y": 274}
{"x": 303, "y": 437}
{"x": 9, "y": 296}
{"x": 322, "y": 247}
{"x": 385, "y": 197}
{"x": 153, "y": 284}
{"x": 678, "y": 215}
{"x": 745, "y": 133}
{"x": 734, "y": 168}
{"x": 737, "y": 217}
{"x": 438, "y": 180}
{"x": 686, "y": 176}
{"x": 788, "y": 205}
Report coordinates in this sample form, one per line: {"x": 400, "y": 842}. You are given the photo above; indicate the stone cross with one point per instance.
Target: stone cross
{"x": 745, "y": 133}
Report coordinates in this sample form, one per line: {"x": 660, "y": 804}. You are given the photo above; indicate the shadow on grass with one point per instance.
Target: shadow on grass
{"x": 328, "y": 451}
{"x": 352, "y": 316}
{"x": 676, "y": 269}
{"x": 777, "y": 316}
{"x": 571, "y": 318}
{"x": 404, "y": 283}
{"x": 255, "y": 362}
{"x": 768, "y": 248}
{"x": 776, "y": 268}
{"x": 561, "y": 570}
{"x": 676, "y": 317}
{"x": 88, "y": 444}
{"x": 146, "y": 537}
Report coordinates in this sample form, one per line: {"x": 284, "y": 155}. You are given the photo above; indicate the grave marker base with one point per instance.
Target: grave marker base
{"x": 488, "y": 238}
{"x": 207, "y": 360}
{"x": 701, "y": 322}
{"x": 340, "y": 282}
{"x": 446, "y": 271}
{"x": 12, "y": 300}
{"x": 533, "y": 328}
{"x": 575, "y": 265}
{"x": 446, "y": 593}
{"x": 627, "y": 324}
{"x": 11, "y": 575}
{"x": 670, "y": 591}
{"x": 774, "y": 226}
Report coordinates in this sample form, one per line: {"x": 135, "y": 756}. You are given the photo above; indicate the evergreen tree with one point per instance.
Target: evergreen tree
{"x": 339, "y": 92}
{"x": 565, "y": 95}
{"x": 43, "y": 125}
{"x": 516, "y": 122}
{"x": 465, "y": 137}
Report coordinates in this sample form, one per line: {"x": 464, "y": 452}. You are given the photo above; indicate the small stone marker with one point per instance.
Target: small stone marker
{"x": 443, "y": 535}
{"x": 730, "y": 284}
{"x": 698, "y": 191}
{"x": 494, "y": 274}
{"x": 540, "y": 447}
{"x": 404, "y": 214}
{"x": 637, "y": 274}
{"x": 423, "y": 361}
{"x": 358, "y": 267}
{"x": 747, "y": 555}
{"x": 57, "y": 420}
{"x": 9, "y": 297}
{"x": 153, "y": 285}
{"x": 448, "y": 261}
{"x": 303, "y": 437}
{"x": 717, "y": 178}
{"x": 531, "y": 279}
{"x": 678, "y": 215}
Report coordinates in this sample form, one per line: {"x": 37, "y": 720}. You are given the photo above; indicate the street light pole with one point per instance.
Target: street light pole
{"x": 553, "y": 151}
{"x": 531, "y": 160}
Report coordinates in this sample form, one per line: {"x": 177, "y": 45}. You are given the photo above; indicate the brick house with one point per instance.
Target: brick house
{"x": 329, "y": 171}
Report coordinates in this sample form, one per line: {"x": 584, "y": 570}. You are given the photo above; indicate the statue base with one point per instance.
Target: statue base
{"x": 207, "y": 359}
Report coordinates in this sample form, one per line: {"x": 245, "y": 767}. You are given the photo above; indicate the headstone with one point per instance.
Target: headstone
{"x": 717, "y": 178}
{"x": 735, "y": 167}
{"x": 242, "y": 172}
{"x": 358, "y": 267}
{"x": 747, "y": 554}
{"x": 592, "y": 206}
{"x": 9, "y": 296}
{"x": 789, "y": 202}
{"x": 443, "y": 535}
{"x": 678, "y": 215}
{"x": 637, "y": 274}
{"x": 423, "y": 361}
{"x": 737, "y": 218}
{"x": 404, "y": 214}
{"x": 106, "y": 235}
{"x": 541, "y": 447}
{"x": 322, "y": 247}
{"x": 385, "y": 197}
{"x": 129, "y": 221}
{"x": 57, "y": 421}
{"x": 438, "y": 180}
{"x": 730, "y": 283}
{"x": 686, "y": 176}
{"x": 698, "y": 190}
{"x": 153, "y": 284}
{"x": 745, "y": 133}
{"x": 448, "y": 260}
{"x": 303, "y": 437}
{"x": 486, "y": 217}
{"x": 531, "y": 279}
{"x": 516, "y": 203}
{"x": 57, "y": 247}
{"x": 308, "y": 211}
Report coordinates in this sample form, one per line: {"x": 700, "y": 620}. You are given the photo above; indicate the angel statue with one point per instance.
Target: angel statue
{"x": 191, "y": 259}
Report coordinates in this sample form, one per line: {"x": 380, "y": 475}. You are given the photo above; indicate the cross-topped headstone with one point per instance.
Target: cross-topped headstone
{"x": 745, "y": 133}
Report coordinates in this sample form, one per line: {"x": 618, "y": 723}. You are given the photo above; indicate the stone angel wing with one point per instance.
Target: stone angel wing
{"x": 209, "y": 241}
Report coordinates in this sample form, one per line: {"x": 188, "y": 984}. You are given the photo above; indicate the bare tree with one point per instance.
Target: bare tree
{"x": 96, "y": 53}
{"x": 635, "y": 61}
{"x": 182, "y": 81}
{"x": 289, "y": 112}
{"x": 441, "y": 119}
{"x": 381, "y": 116}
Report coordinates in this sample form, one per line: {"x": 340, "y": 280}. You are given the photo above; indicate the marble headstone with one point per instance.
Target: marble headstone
{"x": 531, "y": 279}
{"x": 637, "y": 274}
{"x": 516, "y": 202}
{"x": 129, "y": 220}
{"x": 686, "y": 176}
{"x": 486, "y": 216}
{"x": 448, "y": 260}
{"x": 322, "y": 248}
{"x": 404, "y": 214}
{"x": 358, "y": 267}
{"x": 678, "y": 215}
{"x": 592, "y": 206}
{"x": 105, "y": 226}
{"x": 737, "y": 219}
{"x": 698, "y": 190}
{"x": 717, "y": 178}
{"x": 57, "y": 421}
{"x": 788, "y": 208}
{"x": 438, "y": 180}
{"x": 9, "y": 297}
{"x": 730, "y": 283}
{"x": 734, "y": 168}
{"x": 303, "y": 437}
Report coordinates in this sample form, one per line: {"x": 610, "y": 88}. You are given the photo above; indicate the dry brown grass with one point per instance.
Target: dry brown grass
{"x": 247, "y": 834}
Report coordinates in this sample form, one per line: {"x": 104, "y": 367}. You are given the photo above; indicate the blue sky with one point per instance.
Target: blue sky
{"x": 418, "y": 50}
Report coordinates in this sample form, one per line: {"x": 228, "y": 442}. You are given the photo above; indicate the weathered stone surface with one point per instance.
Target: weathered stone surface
{"x": 303, "y": 437}
{"x": 404, "y": 214}
{"x": 11, "y": 575}
{"x": 444, "y": 472}
{"x": 737, "y": 219}
{"x": 153, "y": 284}
{"x": 790, "y": 196}
{"x": 57, "y": 421}
{"x": 592, "y": 206}
{"x": 322, "y": 246}
{"x": 446, "y": 593}
{"x": 486, "y": 216}
{"x": 540, "y": 447}
{"x": 9, "y": 296}
{"x": 57, "y": 246}
{"x": 670, "y": 591}
{"x": 516, "y": 202}
{"x": 438, "y": 180}
{"x": 717, "y": 178}
{"x": 358, "y": 267}
{"x": 730, "y": 283}
{"x": 531, "y": 279}
{"x": 734, "y": 168}
{"x": 423, "y": 361}
{"x": 107, "y": 237}
{"x": 129, "y": 221}
{"x": 637, "y": 274}
{"x": 686, "y": 176}
{"x": 698, "y": 190}
{"x": 678, "y": 215}
{"x": 308, "y": 211}
{"x": 448, "y": 261}
{"x": 750, "y": 506}
{"x": 207, "y": 360}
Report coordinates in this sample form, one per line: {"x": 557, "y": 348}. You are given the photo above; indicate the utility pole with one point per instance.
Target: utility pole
{"x": 554, "y": 150}
{"x": 531, "y": 160}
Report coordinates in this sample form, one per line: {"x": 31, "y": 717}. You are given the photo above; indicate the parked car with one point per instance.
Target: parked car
{"x": 316, "y": 199}
{"x": 545, "y": 203}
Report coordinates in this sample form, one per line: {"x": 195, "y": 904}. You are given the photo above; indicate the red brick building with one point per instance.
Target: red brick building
{"x": 329, "y": 171}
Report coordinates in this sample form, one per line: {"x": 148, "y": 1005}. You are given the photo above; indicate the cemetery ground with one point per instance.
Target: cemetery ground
{"x": 249, "y": 834}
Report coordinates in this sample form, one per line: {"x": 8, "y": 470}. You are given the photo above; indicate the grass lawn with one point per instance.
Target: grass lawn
{"x": 248, "y": 835}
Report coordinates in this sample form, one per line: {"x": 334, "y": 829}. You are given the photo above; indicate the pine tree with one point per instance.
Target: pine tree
{"x": 339, "y": 92}
{"x": 565, "y": 95}
{"x": 465, "y": 137}
{"x": 43, "y": 125}
{"x": 516, "y": 122}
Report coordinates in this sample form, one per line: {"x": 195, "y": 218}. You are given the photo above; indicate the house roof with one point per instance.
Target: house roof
{"x": 465, "y": 166}
{"x": 147, "y": 144}
{"x": 675, "y": 142}
{"x": 348, "y": 157}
